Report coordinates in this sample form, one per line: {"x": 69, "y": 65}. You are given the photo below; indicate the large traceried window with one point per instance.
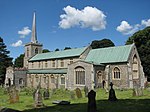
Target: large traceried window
{"x": 80, "y": 75}
{"x": 116, "y": 72}
{"x": 135, "y": 68}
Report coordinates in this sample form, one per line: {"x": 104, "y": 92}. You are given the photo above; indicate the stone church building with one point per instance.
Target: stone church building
{"x": 78, "y": 67}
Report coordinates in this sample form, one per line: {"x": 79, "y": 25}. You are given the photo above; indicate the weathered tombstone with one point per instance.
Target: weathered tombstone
{"x": 86, "y": 90}
{"x": 13, "y": 95}
{"x": 91, "y": 101}
{"x": 78, "y": 93}
{"x": 38, "y": 99}
{"x": 33, "y": 94}
{"x": 72, "y": 95}
{"x": 46, "y": 94}
{"x": 112, "y": 95}
{"x": 137, "y": 91}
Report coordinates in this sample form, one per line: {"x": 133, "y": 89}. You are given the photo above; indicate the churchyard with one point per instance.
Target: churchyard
{"x": 78, "y": 103}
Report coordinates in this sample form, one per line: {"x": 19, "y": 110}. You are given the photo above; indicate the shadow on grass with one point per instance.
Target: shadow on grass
{"x": 123, "y": 105}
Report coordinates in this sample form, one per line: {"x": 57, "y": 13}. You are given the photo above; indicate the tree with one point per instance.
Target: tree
{"x": 57, "y": 49}
{"x": 66, "y": 48}
{"x": 19, "y": 61}
{"x": 102, "y": 43}
{"x": 45, "y": 51}
{"x": 142, "y": 42}
{"x": 5, "y": 60}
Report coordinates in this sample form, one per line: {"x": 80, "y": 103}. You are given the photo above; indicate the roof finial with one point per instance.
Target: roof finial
{"x": 34, "y": 35}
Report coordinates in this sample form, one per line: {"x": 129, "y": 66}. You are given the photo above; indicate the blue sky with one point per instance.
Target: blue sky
{"x": 70, "y": 23}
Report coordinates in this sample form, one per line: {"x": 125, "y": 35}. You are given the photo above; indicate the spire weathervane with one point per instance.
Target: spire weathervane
{"x": 34, "y": 35}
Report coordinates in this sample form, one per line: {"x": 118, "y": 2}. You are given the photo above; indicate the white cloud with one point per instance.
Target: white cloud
{"x": 146, "y": 23}
{"x": 89, "y": 17}
{"x": 17, "y": 44}
{"x": 127, "y": 29}
{"x": 24, "y": 32}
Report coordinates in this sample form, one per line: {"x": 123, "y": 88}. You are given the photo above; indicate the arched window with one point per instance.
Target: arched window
{"x": 135, "y": 67}
{"x": 36, "y": 50}
{"x": 80, "y": 75}
{"x": 62, "y": 79}
{"x": 52, "y": 79}
{"x": 27, "y": 52}
{"x": 21, "y": 81}
{"x": 116, "y": 72}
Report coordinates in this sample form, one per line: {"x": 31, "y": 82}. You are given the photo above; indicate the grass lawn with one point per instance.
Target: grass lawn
{"x": 126, "y": 102}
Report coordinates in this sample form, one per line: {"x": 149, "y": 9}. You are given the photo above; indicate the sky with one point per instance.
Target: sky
{"x": 70, "y": 23}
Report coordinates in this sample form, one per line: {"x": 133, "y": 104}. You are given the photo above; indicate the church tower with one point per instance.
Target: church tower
{"x": 33, "y": 47}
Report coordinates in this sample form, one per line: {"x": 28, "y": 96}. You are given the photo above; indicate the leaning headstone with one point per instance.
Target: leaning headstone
{"x": 78, "y": 93}
{"x": 38, "y": 99}
{"x": 72, "y": 95}
{"x": 13, "y": 95}
{"x": 112, "y": 95}
{"x": 86, "y": 90}
{"x": 91, "y": 101}
{"x": 46, "y": 94}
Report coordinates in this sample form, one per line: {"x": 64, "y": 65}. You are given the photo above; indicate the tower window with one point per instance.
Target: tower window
{"x": 27, "y": 52}
{"x": 36, "y": 51}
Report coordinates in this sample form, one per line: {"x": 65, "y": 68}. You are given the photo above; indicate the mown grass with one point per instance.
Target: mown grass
{"x": 126, "y": 102}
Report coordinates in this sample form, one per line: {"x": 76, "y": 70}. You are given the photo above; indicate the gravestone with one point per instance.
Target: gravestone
{"x": 38, "y": 99}
{"x": 78, "y": 93}
{"x": 91, "y": 101}
{"x": 46, "y": 94}
{"x": 13, "y": 95}
{"x": 72, "y": 95}
{"x": 112, "y": 95}
{"x": 86, "y": 90}
{"x": 137, "y": 91}
{"x": 34, "y": 94}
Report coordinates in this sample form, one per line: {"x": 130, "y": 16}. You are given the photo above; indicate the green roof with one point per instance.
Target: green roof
{"x": 109, "y": 54}
{"x": 59, "y": 54}
{"x": 48, "y": 71}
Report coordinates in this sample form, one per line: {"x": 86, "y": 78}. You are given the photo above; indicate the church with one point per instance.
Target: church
{"x": 78, "y": 67}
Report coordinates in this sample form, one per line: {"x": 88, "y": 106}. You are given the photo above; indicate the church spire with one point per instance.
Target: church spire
{"x": 34, "y": 36}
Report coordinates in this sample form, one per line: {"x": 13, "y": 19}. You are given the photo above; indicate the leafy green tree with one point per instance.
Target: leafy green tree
{"x": 45, "y": 51}
{"x": 102, "y": 43}
{"x": 66, "y": 48}
{"x": 5, "y": 60}
{"x": 19, "y": 61}
{"x": 142, "y": 42}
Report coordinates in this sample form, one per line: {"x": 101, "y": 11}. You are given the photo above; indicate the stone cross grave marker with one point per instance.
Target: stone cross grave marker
{"x": 112, "y": 95}
{"x": 78, "y": 93}
{"x": 91, "y": 101}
